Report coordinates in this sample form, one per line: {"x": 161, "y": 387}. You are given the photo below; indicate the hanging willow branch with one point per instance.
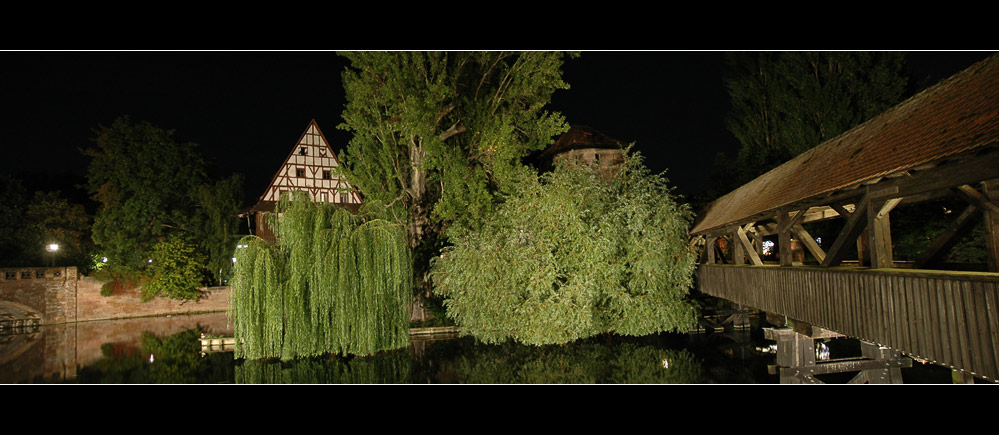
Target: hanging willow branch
{"x": 331, "y": 284}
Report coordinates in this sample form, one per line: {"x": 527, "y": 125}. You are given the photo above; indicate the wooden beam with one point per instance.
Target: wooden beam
{"x": 971, "y": 168}
{"x": 754, "y": 258}
{"x": 855, "y": 224}
{"x": 709, "y": 246}
{"x": 975, "y": 198}
{"x": 887, "y": 207}
{"x": 738, "y": 249}
{"x": 784, "y": 238}
{"x": 991, "y": 189}
{"x": 879, "y": 233}
{"x": 791, "y": 220}
{"x": 944, "y": 242}
{"x": 809, "y": 242}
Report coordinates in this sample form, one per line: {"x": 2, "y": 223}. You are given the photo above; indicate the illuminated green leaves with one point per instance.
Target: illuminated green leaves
{"x": 568, "y": 255}
{"x": 332, "y": 284}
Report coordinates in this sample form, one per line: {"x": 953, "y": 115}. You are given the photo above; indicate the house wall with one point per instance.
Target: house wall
{"x": 608, "y": 160}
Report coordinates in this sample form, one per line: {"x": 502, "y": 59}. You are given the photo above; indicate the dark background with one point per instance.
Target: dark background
{"x": 246, "y": 109}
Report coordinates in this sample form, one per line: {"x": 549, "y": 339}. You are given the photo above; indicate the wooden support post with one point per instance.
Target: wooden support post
{"x": 991, "y": 189}
{"x": 738, "y": 249}
{"x": 960, "y": 377}
{"x": 709, "y": 248}
{"x": 890, "y": 374}
{"x": 784, "y": 237}
{"x": 855, "y": 224}
{"x": 879, "y": 232}
{"x": 863, "y": 248}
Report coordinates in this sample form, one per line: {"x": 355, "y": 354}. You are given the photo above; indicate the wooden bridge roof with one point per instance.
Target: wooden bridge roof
{"x": 957, "y": 115}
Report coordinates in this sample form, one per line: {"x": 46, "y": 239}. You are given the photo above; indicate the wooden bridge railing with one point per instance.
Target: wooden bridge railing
{"x": 948, "y": 318}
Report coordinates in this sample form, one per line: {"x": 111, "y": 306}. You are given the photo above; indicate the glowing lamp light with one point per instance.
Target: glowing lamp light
{"x": 52, "y": 247}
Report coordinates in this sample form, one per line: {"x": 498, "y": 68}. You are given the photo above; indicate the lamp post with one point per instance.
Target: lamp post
{"x": 52, "y": 247}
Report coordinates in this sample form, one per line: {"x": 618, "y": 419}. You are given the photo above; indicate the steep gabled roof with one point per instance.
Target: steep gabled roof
{"x": 313, "y": 164}
{"x": 957, "y": 115}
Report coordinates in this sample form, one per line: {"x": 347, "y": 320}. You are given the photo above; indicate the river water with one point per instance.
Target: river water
{"x": 167, "y": 350}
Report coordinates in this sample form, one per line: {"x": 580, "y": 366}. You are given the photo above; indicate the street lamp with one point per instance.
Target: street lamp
{"x": 52, "y": 247}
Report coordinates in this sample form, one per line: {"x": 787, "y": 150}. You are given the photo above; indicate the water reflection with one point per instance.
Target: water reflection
{"x": 111, "y": 351}
{"x": 168, "y": 350}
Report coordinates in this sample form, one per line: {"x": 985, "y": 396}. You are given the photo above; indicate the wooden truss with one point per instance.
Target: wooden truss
{"x": 866, "y": 209}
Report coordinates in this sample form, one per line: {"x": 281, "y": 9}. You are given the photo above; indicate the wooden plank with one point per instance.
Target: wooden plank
{"x": 879, "y": 233}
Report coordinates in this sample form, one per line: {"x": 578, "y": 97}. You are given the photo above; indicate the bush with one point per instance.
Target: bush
{"x": 569, "y": 255}
{"x": 177, "y": 270}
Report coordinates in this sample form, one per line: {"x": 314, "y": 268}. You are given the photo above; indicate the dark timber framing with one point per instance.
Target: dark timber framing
{"x": 942, "y": 142}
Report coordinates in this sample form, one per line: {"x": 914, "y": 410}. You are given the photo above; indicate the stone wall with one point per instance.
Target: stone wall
{"x": 61, "y": 295}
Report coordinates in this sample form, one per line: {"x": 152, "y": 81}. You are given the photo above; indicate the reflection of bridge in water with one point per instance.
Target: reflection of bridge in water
{"x": 943, "y": 142}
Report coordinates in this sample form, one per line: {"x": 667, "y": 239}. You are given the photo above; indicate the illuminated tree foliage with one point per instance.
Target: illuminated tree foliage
{"x": 176, "y": 270}
{"x": 436, "y": 135}
{"x": 570, "y": 256}
{"x": 331, "y": 284}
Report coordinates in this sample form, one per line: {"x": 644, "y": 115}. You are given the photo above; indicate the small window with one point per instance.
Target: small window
{"x": 325, "y": 197}
{"x": 300, "y": 172}
{"x": 596, "y": 157}
{"x": 39, "y": 274}
{"x": 303, "y": 151}
{"x": 327, "y": 174}
{"x": 344, "y": 197}
{"x": 25, "y": 275}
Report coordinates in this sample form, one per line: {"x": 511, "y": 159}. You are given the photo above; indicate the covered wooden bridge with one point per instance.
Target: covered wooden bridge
{"x": 942, "y": 142}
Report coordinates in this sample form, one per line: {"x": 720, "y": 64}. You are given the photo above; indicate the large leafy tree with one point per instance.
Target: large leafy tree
{"x": 150, "y": 185}
{"x": 438, "y": 135}
{"x": 143, "y": 178}
{"x": 568, "y": 255}
{"x": 28, "y": 223}
{"x": 785, "y": 103}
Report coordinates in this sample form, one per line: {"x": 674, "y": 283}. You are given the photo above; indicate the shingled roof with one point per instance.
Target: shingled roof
{"x": 957, "y": 115}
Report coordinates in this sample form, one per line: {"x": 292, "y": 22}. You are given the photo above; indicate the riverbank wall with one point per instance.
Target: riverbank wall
{"x": 55, "y": 295}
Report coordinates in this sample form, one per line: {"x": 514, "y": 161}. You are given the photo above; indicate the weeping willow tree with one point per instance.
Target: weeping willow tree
{"x": 332, "y": 283}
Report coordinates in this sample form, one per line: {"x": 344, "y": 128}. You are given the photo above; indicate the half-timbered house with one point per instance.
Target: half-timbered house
{"x": 311, "y": 167}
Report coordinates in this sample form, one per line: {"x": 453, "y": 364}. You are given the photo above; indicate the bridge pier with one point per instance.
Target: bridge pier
{"x": 800, "y": 359}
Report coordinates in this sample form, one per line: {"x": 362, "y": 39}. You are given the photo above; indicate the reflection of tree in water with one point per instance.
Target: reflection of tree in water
{"x": 175, "y": 359}
{"x": 390, "y": 367}
{"x": 465, "y": 361}
{"x": 585, "y": 362}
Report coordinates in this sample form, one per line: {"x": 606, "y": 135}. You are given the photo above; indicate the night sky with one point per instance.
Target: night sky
{"x": 246, "y": 109}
